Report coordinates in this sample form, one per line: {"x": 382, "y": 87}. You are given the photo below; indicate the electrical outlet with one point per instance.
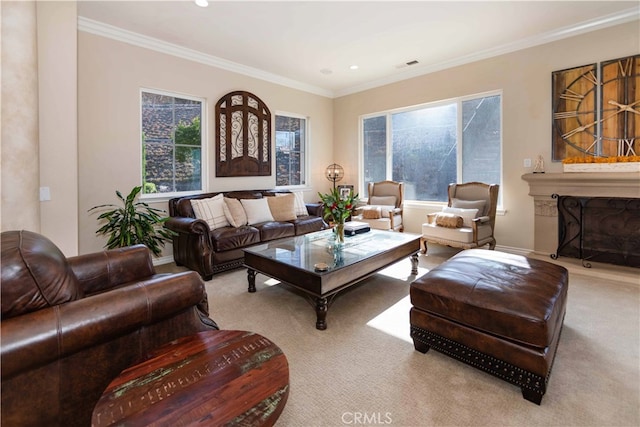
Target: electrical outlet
{"x": 527, "y": 163}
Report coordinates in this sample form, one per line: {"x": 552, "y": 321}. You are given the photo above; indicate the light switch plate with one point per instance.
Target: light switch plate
{"x": 45, "y": 194}
{"x": 527, "y": 163}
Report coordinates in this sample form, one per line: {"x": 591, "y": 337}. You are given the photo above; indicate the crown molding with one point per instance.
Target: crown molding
{"x": 136, "y": 39}
{"x": 622, "y": 17}
{"x": 130, "y": 37}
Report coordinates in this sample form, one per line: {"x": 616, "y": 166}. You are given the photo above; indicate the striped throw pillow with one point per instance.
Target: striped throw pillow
{"x": 211, "y": 211}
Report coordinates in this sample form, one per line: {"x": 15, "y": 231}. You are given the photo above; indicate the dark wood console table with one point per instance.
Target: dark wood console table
{"x": 211, "y": 378}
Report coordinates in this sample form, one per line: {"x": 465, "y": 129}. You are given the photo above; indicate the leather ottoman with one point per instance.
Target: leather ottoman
{"x": 498, "y": 312}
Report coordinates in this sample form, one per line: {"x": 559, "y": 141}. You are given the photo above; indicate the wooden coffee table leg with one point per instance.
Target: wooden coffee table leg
{"x": 251, "y": 275}
{"x": 321, "y": 313}
{"x": 414, "y": 264}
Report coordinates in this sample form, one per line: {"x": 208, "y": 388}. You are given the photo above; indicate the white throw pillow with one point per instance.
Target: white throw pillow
{"x": 466, "y": 214}
{"x": 257, "y": 210}
{"x": 470, "y": 204}
{"x": 299, "y": 205}
{"x": 211, "y": 210}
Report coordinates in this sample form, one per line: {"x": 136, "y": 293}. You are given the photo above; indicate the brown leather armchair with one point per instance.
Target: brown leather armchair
{"x": 69, "y": 326}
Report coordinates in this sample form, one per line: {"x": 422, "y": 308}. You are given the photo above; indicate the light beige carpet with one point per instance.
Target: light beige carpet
{"x": 363, "y": 370}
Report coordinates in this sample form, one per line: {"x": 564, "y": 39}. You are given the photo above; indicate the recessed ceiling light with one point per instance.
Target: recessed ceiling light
{"x": 202, "y": 3}
{"x": 326, "y": 71}
{"x": 353, "y": 67}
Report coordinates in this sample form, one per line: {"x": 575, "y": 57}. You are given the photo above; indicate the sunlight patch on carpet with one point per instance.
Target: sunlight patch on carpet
{"x": 271, "y": 282}
{"x": 394, "y": 321}
{"x": 402, "y": 271}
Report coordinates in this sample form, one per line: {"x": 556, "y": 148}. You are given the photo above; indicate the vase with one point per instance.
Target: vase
{"x": 339, "y": 230}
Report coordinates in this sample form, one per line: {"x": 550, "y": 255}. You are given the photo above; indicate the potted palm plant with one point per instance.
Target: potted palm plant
{"x": 132, "y": 223}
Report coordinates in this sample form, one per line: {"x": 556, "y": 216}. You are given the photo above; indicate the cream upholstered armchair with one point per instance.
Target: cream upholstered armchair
{"x": 469, "y": 219}
{"x": 383, "y": 210}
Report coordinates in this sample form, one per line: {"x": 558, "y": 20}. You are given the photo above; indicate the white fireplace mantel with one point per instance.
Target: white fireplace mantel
{"x": 589, "y": 184}
{"x": 581, "y": 184}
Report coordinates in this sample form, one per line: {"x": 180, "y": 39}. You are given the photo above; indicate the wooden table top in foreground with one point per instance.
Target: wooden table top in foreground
{"x": 212, "y": 378}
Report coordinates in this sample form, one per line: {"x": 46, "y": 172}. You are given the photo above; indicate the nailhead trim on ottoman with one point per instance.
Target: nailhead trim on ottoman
{"x": 533, "y": 386}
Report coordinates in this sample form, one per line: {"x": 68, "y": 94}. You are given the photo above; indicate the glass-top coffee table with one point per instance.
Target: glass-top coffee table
{"x": 312, "y": 264}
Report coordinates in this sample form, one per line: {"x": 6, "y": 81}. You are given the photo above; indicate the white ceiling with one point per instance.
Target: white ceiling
{"x": 293, "y": 42}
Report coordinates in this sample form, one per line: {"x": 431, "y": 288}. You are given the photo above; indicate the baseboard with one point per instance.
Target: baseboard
{"x": 163, "y": 260}
{"x": 513, "y": 250}
{"x": 598, "y": 270}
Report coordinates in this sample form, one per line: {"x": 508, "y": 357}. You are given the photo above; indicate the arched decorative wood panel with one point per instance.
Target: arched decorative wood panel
{"x": 243, "y": 136}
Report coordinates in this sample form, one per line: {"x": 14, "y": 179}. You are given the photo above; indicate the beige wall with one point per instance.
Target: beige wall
{"x": 58, "y": 137}
{"x": 525, "y": 80}
{"x": 39, "y": 120}
{"x": 20, "y": 206}
{"x": 110, "y": 76}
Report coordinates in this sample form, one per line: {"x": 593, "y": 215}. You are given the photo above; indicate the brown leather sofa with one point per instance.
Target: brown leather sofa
{"x": 208, "y": 251}
{"x": 70, "y": 326}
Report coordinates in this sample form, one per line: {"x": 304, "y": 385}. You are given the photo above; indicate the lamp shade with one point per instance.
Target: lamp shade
{"x": 334, "y": 173}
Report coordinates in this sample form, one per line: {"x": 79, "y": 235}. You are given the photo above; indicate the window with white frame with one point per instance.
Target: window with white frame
{"x": 291, "y": 149}
{"x": 172, "y": 142}
{"x": 429, "y": 146}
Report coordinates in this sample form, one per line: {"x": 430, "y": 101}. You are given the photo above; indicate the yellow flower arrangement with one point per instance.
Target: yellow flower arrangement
{"x": 592, "y": 159}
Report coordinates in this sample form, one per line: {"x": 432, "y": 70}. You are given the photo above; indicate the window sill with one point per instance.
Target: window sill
{"x": 437, "y": 206}
{"x": 165, "y": 197}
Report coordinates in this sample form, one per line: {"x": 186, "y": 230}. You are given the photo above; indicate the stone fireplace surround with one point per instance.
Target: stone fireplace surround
{"x": 582, "y": 184}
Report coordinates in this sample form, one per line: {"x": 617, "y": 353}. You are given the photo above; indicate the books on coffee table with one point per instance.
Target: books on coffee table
{"x": 352, "y": 228}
